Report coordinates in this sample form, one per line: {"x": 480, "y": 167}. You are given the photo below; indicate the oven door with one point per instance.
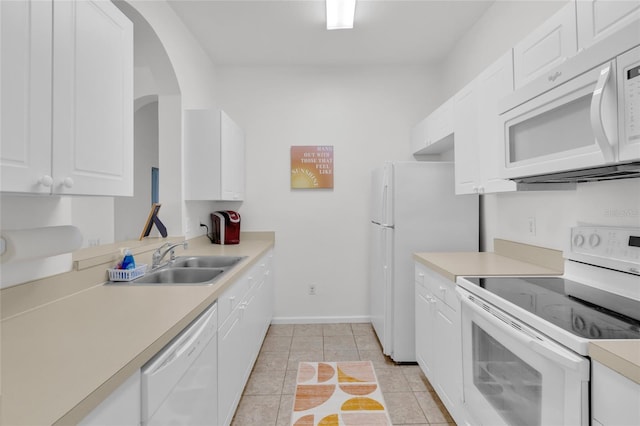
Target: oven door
{"x": 513, "y": 375}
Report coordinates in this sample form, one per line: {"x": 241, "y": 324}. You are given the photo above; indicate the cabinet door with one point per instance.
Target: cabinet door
{"x": 614, "y": 398}
{"x": 599, "y": 19}
{"x": 467, "y": 170}
{"x": 425, "y": 311}
{"x": 232, "y": 159}
{"x": 202, "y": 154}
{"x": 419, "y": 137}
{"x": 25, "y": 118}
{"x": 493, "y": 84}
{"x": 547, "y": 46}
{"x": 448, "y": 356}
{"x": 231, "y": 366}
{"x": 440, "y": 122}
{"x": 122, "y": 407}
{"x": 92, "y": 99}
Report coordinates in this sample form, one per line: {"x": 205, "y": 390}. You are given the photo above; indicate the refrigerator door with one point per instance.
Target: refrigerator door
{"x": 428, "y": 217}
{"x": 382, "y": 195}
{"x": 381, "y": 291}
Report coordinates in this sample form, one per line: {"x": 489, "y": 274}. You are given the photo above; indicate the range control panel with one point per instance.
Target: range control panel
{"x": 611, "y": 247}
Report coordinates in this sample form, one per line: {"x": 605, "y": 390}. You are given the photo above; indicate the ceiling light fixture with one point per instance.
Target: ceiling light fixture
{"x": 340, "y": 14}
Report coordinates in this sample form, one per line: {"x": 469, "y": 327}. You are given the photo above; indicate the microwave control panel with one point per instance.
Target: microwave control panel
{"x": 631, "y": 94}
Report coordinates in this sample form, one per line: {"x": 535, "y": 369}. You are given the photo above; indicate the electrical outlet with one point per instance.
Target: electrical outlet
{"x": 531, "y": 226}
{"x": 312, "y": 289}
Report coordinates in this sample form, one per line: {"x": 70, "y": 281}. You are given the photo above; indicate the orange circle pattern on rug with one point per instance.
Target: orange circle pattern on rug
{"x": 312, "y": 396}
{"x": 325, "y": 372}
{"x": 306, "y": 372}
{"x": 361, "y": 403}
{"x": 355, "y": 372}
{"x": 330, "y": 420}
{"x": 307, "y": 420}
{"x": 359, "y": 389}
{"x": 338, "y": 394}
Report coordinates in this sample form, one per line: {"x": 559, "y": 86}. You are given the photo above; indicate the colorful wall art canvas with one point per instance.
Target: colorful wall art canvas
{"x": 311, "y": 167}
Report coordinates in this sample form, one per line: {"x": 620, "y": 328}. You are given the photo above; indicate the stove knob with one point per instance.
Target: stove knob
{"x": 594, "y": 240}
{"x": 578, "y": 240}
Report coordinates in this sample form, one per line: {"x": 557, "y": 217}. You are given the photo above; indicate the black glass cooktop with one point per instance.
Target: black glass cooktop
{"x": 580, "y": 309}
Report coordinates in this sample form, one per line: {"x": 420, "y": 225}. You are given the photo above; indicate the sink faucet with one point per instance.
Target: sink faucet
{"x": 158, "y": 255}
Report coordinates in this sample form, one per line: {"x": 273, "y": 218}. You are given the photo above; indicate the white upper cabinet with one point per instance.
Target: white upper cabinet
{"x": 466, "y": 149}
{"x": 493, "y": 84}
{"x": 232, "y": 152}
{"x": 479, "y": 142}
{"x": 214, "y": 156}
{"x": 547, "y": 46}
{"x": 92, "y": 99}
{"x": 434, "y": 134}
{"x": 25, "y": 139}
{"x": 598, "y": 19}
{"x": 67, "y": 107}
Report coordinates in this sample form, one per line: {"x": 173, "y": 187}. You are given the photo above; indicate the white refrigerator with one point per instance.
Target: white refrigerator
{"x": 413, "y": 209}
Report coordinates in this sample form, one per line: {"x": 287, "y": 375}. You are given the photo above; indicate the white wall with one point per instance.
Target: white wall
{"x": 602, "y": 203}
{"x": 131, "y": 212}
{"x": 322, "y": 235}
{"x": 24, "y": 212}
{"x": 507, "y": 215}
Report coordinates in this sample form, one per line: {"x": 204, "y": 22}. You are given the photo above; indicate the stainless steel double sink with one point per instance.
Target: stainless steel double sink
{"x": 187, "y": 270}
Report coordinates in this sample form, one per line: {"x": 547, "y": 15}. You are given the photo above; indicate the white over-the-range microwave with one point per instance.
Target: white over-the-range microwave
{"x": 581, "y": 121}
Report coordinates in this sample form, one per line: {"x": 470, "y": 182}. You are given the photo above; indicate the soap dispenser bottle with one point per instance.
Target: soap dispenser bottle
{"x": 127, "y": 261}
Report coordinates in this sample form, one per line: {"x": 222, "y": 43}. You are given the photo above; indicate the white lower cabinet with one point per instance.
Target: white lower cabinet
{"x": 122, "y": 407}
{"x": 614, "y": 398}
{"x": 438, "y": 337}
{"x": 242, "y": 332}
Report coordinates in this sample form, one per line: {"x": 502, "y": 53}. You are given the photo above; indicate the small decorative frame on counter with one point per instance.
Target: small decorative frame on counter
{"x": 312, "y": 167}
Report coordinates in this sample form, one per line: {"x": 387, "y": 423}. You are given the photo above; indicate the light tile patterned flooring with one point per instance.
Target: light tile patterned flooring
{"x": 268, "y": 396}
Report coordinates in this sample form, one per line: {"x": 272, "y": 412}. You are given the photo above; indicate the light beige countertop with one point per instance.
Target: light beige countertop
{"x": 61, "y": 358}
{"x": 509, "y": 258}
{"x": 512, "y": 258}
{"x": 622, "y": 356}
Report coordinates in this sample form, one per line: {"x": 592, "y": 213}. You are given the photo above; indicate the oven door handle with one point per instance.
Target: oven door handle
{"x": 560, "y": 356}
{"x": 515, "y": 329}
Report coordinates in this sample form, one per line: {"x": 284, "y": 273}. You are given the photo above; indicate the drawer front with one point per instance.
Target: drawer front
{"x": 442, "y": 288}
{"x": 232, "y": 297}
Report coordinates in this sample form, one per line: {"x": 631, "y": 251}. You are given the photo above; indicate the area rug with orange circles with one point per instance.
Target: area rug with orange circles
{"x": 338, "y": 393}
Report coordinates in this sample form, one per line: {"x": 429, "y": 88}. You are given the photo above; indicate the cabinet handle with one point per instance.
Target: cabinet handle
{"x": 596, "y": 115}
{"x": 554, "y": 76}
{"x": 46, "y": 181}
{"x": 67, "y": 182}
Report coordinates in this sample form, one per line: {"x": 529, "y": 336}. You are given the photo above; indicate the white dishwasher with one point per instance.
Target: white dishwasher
{"x": 180, "y": 383}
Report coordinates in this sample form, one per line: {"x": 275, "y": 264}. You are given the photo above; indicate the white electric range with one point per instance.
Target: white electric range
{"x": 525, "y": 339}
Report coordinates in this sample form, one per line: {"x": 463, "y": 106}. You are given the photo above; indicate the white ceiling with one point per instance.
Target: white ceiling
{"x": 292, "y": 32}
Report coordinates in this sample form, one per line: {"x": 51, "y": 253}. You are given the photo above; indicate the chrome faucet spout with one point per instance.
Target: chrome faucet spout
{"x": 159, "y": 254}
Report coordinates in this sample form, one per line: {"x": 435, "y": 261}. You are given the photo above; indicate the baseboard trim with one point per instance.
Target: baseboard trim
{"x": 319, "y": 320}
